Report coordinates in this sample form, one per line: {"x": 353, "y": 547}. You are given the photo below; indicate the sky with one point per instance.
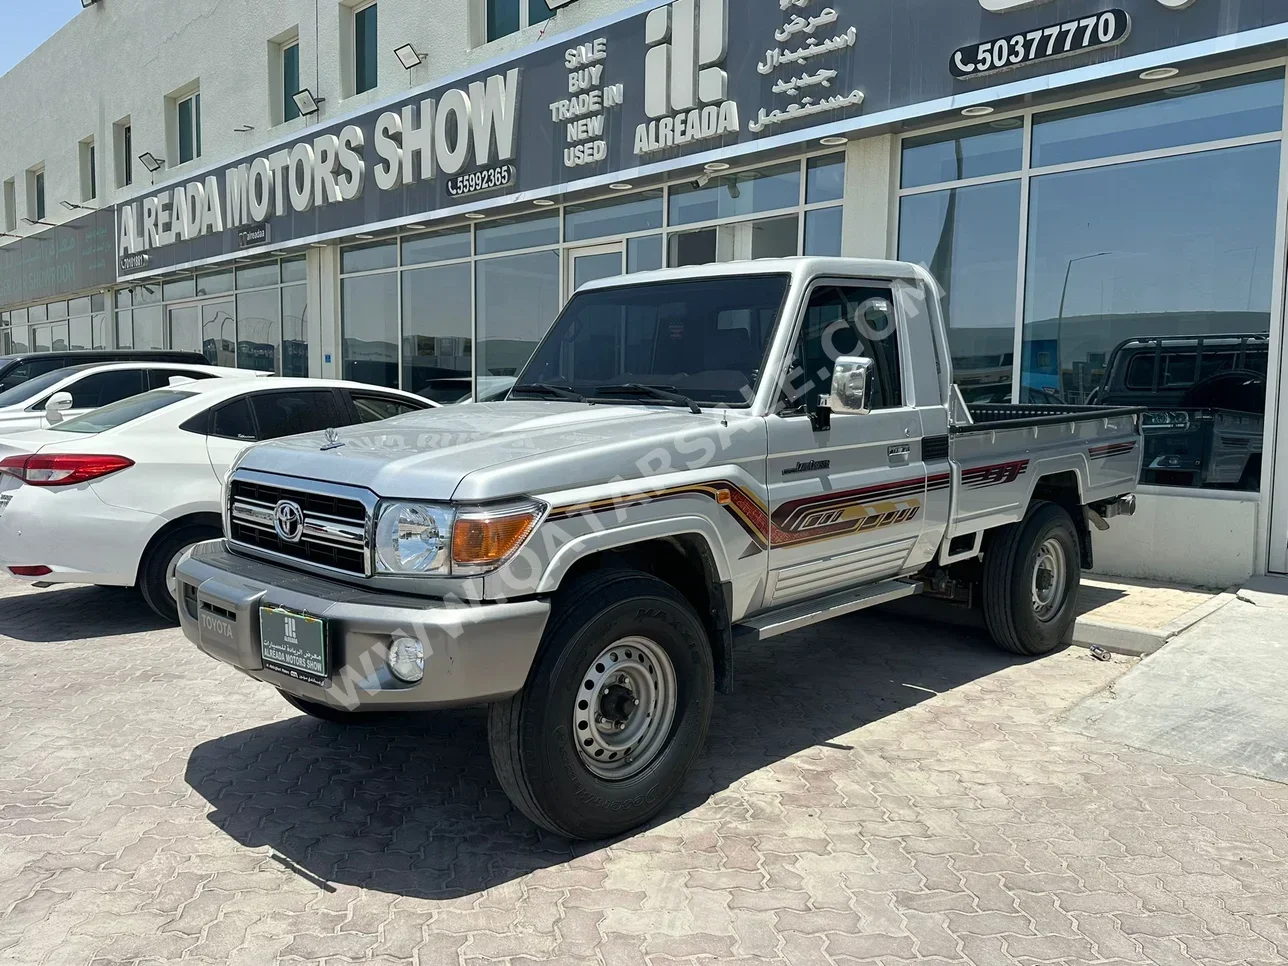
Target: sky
{"x": 26, "y": 24}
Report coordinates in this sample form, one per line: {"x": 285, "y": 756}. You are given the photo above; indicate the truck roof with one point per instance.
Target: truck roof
{"x": 800, "y": 268}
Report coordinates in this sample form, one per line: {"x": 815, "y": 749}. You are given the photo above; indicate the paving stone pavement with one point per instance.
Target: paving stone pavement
{"x": 878, "y": 791}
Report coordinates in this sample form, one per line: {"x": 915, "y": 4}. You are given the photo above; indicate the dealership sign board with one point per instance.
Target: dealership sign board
{"x": 640, "y": 92}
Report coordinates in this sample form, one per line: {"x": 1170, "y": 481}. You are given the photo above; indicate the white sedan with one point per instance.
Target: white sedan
{"x": 118, "y": 496}
{"x": 62, "y": 394}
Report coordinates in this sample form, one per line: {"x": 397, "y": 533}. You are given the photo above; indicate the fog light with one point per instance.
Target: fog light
{"x": 407, "y": 660}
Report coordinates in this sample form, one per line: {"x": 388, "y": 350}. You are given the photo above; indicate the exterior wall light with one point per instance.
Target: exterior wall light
{"x": 409, "y": 57}
{"x": 307, "y": 104}
{"x": 151, "y": 161}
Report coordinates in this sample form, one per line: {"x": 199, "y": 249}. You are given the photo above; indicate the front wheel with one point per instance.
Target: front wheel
{"x": 614, "y": 712}
{"x": 157, "y": 580}
{"x": 1032, "y": 571}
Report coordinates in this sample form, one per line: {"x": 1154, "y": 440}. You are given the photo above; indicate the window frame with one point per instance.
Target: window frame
{"x": 355, "y": 11}
{"x": 193, "y": 100}
{"x": 525, "y": 19}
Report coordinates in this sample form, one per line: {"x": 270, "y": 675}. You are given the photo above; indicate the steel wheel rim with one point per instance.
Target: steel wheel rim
{"x": 1050, "y": 577}
{"x": 624, "y": 709}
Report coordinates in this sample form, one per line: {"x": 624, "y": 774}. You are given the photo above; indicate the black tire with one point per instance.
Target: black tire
{"x": 532, "y": 736}
{"x": 154, "y": 568}
{"x": 1010, "y": 610}
{"x": 324, "y": 712}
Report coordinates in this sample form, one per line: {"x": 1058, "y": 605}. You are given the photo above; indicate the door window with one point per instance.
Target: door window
{"x": 281, "y": 414}
{"x": 846, "y": 321}
{"x": 102, "y": 388}
{"x": 372, "y": 409}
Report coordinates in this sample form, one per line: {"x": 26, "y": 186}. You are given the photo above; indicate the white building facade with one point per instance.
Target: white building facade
{"x": 1099, "y": 185}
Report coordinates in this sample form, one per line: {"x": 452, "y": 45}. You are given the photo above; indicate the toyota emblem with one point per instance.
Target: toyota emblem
{"x": 288, "y": 521}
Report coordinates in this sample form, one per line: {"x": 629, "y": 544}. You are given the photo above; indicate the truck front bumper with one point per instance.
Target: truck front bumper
{"x": 473, "y": 653}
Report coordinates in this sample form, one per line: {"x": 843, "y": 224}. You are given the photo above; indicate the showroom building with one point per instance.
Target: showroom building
{"x": 406, "y": 192}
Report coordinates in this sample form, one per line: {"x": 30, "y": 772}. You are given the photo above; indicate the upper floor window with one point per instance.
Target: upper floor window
{"x": 505, "y": 17}
{"x": 88, "y": 170}
{"x": 10, "y": 206}
{"x": 123, "y": 147}
{"x": 188, "y": 112}
{"x": 365, "y": 76}
{"x": 290, "y": 79}
{"x": 36, "y": 194}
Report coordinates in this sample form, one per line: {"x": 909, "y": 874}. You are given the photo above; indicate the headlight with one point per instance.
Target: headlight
{"x": 414, "y": 538}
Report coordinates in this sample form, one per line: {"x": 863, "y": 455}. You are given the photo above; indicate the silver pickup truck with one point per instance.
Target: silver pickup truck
{"x": 690, "y": 459}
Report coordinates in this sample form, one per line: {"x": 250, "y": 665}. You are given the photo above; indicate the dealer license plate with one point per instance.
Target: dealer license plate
{"x": 293, "y": 644}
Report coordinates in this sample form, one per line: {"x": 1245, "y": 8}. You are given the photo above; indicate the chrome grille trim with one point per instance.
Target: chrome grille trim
{"x": 329, "y": 544}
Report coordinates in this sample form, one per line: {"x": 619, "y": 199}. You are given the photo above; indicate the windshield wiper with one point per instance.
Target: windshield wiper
{"x": 545, "y": 389}
{"x": 666, "y": 393}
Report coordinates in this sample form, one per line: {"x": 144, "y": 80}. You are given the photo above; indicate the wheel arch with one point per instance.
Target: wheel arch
{"x": 1064, "y": 489}
{"x": 193, "y": 519}
{"x": 687, "y": 562}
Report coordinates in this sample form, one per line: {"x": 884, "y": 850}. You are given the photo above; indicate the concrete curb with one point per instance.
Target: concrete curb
{"x": 1140, "y": 641}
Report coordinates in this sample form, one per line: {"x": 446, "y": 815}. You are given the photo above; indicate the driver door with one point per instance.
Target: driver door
{"x": 846, "y": 500}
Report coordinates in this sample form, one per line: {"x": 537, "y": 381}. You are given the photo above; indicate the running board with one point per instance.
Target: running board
{"x": 784, "y": 620}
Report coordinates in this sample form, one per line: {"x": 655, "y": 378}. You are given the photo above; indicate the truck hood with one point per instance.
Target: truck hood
{"x": 486, "y": 451}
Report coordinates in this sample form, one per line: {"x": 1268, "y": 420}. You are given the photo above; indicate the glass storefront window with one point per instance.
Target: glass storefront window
{"x": 258, "y": 276}
{"x": 1177, "y": 249}
{"x": 823, "y": 231}
{"x": 613, "y": 216}
{"x": 19, "y": 338}
{"x": 59, "y": 337}
{"x": 295, "y": 329}
{"x": 42, "y": 336}
{"x": 147, "y": 294}
{"x": 78, "y": 306}
{"x": 825, "y": 179}
{"x": 215, "y": 283}
{"x": 123, "y": 298}
{"x": 437, "y": 246}
{"x": 369, "y": 310}
{"x": 100, "y": 331}
{"x": 57, "y": 311}
{"x": 766, "y": 238}
{"x": 644, "y": 254}
{"x": 219, "y": 333}
{"x": 517, "y": 300}
{"x": 511, "y": 234}
{"x": 259, "y": 329}
{"x": 180, "y": 288}
{"x": 969, "y": 239}
{"x": 994, "y": 148}
{"x": 438, "y": 313}
{"x": 744, "y": 193}
{"x": 148, "y": 327}
{"x": 125, "y": 330}
{"x": 368, "y": 258}
{"x": 184, "y": 323}
{"x": 295, "y": 270}
{"x": 38, "y": 313}
{"x": 1228, "y": 107}
{"x": 80, "y": 333}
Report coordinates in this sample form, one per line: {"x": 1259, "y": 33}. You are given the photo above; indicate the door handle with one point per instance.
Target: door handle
{"x": 899, "y": 454}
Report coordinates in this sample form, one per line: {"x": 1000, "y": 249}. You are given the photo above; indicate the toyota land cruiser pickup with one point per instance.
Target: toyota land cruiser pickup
{"x": 690, "y": 459}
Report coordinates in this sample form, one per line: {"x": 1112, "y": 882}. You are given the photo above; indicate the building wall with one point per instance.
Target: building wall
{"x": 122, "y": 58}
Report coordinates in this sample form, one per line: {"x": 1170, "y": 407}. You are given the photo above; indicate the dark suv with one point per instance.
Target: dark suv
{"x": 17, "y": 369}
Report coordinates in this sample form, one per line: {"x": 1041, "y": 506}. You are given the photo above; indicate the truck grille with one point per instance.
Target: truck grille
{"x": 333, "y": 529}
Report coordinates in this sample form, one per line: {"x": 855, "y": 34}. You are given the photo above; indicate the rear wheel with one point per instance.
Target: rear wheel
{"x": 614, "y": 712}
{"x": 157, "y": 581}
{"x": 1032, "y": 571}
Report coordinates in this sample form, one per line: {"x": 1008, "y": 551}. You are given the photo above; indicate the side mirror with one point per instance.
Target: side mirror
{"x": 852, "y": 385}
{"x": 58, "y": 404}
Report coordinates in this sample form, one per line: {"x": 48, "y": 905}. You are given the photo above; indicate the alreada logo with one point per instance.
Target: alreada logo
{"x": 1006, "y": 6}
{"x": 686, "y": 88}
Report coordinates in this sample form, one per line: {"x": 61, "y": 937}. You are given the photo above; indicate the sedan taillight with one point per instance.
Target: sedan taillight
{"x": 62, "y": 469}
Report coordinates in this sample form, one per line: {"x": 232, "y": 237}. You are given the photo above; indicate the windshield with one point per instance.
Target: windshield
{"x": 703, "y": 338}
{"x": 31, "y": 388}
{"x": 122, "y": 412}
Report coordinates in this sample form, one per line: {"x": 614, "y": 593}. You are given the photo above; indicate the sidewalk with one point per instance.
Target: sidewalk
{"x": 1137, "y": 617}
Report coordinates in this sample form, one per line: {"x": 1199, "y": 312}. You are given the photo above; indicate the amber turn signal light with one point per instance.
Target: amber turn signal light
{"x": 485, "y": 538}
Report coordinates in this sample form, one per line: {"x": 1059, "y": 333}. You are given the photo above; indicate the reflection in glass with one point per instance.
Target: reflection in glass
{"x": 294, "y": 269}
{"x": 369, "y": 319}
{"x": 148, "y": 327}
{"x": 57, "y": 311}
{"x": 295, "y": 329}
{"x": 613, "y": 216}
{"x": 823, "y": 231}
{"x": 78, "y": 306}
{"x": 524, "y": 231}
{"x": 20, "y": 339}
{"x": 1123, "y": 256}
{"x": 80, "y": 334}
{"x": 1228, "y": 107}
{"x": 825, "y": 179}
{"x": 437, "y": 323}
{"x": 125, "y": 330}
{"x": 219, "y": 333}
{"x": 518, "y": 299}
{"x": 259, "y": 330}
{"x": 969, "y": 239}
{"x": 994, "y": 148}
{"x": 368, "y": 258}
{"x": 100, "y": 331}
{"x": 644, "y": 254}
{"x": 59, "y": 337}
{"x": 766, "y": 238}
{"x": 744, "y": 193}
{"x": 591, "y": 268}
{"x": 185, "y": 329}
{"x": 179, "y": 288}
{"x": 215, "y": 283}
{"x": 257, "y": 276}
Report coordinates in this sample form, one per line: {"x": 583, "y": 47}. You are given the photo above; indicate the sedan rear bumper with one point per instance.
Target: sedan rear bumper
{"x": 473, "y": 653}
